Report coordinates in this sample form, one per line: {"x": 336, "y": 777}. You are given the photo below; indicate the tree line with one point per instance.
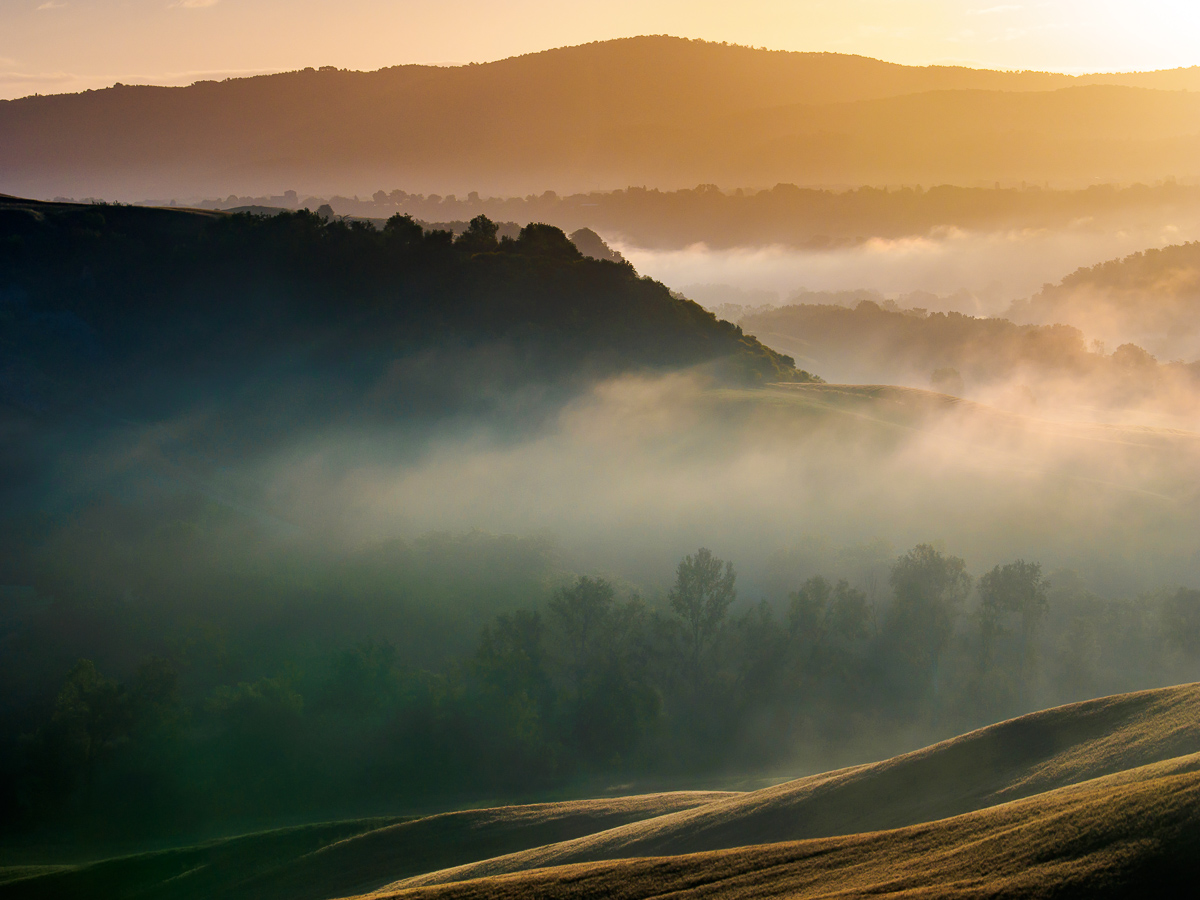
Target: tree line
{"x": 784, "y": 214}
{"x": 594, "y": 686}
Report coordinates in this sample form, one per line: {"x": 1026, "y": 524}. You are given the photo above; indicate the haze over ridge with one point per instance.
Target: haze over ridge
{"x": 655, "y": 110}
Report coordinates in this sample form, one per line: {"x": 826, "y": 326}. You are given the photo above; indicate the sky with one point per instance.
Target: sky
{"x": 56, "y": 46}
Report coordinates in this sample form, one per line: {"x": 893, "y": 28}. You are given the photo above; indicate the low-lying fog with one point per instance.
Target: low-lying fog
{"x": 641, "y": 470}
{"x": 987, "y": 271}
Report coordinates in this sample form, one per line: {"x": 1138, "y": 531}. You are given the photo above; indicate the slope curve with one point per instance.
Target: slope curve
{"x": 1011, "y": 760}
{"x": 1133, "y": 833}
{"x": 351, "y": 856}
{"x": 365, "y": 861}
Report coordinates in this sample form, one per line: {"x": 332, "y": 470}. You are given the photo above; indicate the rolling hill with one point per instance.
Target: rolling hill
{"x": 641, "y": 110}
{"x": 1091, "y": 799}
{"x": 1152, "y": 297}
{"x": 1009, "y": 761}
{"x": 1128, "y": 835}
{"x": 96, "y": 298}
{"x": 317, "y": 861}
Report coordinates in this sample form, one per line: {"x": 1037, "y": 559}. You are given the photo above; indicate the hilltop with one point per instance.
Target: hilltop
{"x": 1152, "y": 297}
{"x": 144, "y": 312}
{"x": 641, "y": 110}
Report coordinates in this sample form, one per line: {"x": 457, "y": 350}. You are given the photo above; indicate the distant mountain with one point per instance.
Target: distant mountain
{"x": 784, "y": 214}
{"x": 649, "y": 110}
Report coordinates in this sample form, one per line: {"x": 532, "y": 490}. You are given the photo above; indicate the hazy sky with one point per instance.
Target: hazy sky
{"x": 50, "y": 46}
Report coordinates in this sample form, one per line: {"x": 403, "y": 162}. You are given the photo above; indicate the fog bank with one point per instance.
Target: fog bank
{"x": 992, "y": 268}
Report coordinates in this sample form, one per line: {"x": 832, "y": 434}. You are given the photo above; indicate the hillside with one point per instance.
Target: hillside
{"x": 322, "y": 860}
{"x": 1152, "y": 297}
{"x": 1044, "y": 367}
{"x": 144, "y": 312}
{"x": 641, "y": 110}
{"x": 984, "y": 769}
{"x": 1091, "y": 799}
{"x": 1127, "y": 835}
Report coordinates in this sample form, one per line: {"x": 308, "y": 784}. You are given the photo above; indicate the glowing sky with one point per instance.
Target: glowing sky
{"x": 51, "y": 46}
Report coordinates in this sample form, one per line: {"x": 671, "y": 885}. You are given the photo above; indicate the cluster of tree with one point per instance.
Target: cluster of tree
{"x": 592, "y": 684}
{"x": 1152, "y": 296}
{"x": 785, "y": 214}
{"x": 142, "y": 310}
{"x": 955, "y": 353}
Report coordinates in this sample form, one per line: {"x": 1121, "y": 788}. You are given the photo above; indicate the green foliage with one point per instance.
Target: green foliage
{"x": 703, "y": 591}
{"x": 1016, "y": 589}
{"x": 386, "y": 321}
{"x": 1181, "y": 616}
{"x": 480, "y": 236}
{"x": 545, "y": 690}
{"x": 930, "y": 589}
{"x": 584, "y": 613}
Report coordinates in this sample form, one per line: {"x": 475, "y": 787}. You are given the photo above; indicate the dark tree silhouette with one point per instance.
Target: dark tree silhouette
{"x": 703, "y": 591}
{"x": 583, "y": 611}
{"x": 930, "y": 589}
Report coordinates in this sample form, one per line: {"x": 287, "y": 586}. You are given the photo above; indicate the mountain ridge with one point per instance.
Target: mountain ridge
{"x": 636, "y": 110}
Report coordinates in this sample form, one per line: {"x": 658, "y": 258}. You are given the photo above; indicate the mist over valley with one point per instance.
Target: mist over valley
{"x": 601, "y": 527}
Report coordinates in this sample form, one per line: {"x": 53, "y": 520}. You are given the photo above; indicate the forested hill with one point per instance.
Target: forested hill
{"x": 1152, "y": 297}
{"x": 647, "y": 110}
{"x": 143, "y": 312}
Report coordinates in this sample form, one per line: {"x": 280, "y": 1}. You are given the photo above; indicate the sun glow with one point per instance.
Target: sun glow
{"x": 62, "y": 46}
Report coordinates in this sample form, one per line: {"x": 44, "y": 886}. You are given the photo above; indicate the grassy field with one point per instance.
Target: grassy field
{"x": 1131, "y": 834}
{"x": 320, "y": 861}
{"x": 1020, "y": 758}
{"x": 1100, "y": 798}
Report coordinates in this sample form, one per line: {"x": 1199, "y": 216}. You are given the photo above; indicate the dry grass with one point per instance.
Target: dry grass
{"x": 321, "y": 861}
{"x": 1135, "y": 833}
{"x": 368, "y": 860}
{"x": 1091, "y": 799}
{"x": 1018, "y": 758}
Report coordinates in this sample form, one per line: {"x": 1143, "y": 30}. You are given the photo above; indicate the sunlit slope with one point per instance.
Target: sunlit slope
{"x": 329, "y": 860}
{"x": 367, "y": 860}
{"x": 647, "y": 110}
{"x": 1134, "y": 833}
{"x": 1008, "y": 761}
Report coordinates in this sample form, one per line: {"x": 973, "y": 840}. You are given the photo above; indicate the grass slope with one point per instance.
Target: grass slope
{"x": 203, "y": 870}
{"x": 322, "y": 861}
{"x": 1129, "y": 834}
{"x": 1011, "y": 760}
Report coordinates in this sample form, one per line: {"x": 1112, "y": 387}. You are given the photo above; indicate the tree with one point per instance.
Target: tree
{"x": 825, "y": 621}
{"x": 510, "y": 657}
{"x": 703, "y": 592}
{"x": 583, "y": 611}
{"x": 929, "y": 590}
{"x": 1019, "y": 589}
{"x": 516, "y": 695}
{"x": 91, "y": 716}
{"x": 1181, "y": 618}
{"x": 403, "y": 230}
{"x": 806, "y": 614}
{"x": 480, "y": 236}
{"x": 537, "y": 239}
